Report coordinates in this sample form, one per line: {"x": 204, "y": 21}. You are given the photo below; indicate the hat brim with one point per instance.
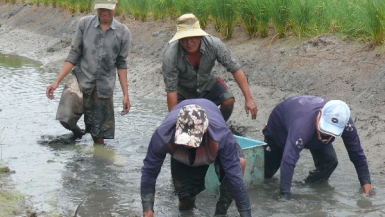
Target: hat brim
{"x": 188, "y": 33}
{"x": 328, "y": 128}
{"x": 105, "y": 6}
{"x": 194, "y": 140}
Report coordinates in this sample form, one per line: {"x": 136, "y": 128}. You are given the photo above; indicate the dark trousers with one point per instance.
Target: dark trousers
{"x": 325, "y": 161}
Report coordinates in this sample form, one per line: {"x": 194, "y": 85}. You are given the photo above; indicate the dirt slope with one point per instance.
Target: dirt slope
{"x": 276, "y": 69}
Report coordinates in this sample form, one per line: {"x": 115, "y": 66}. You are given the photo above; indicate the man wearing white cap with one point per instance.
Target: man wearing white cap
{"x": 195, "y": 134}
{"x": 188, "y": 63}
{"x": 311, "y": 122}
{"x": 99, "y": 48}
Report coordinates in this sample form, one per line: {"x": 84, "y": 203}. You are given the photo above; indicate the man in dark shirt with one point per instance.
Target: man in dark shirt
{"x": 99, "y": 47}
{"x": 312, "y": 123}
{"x": 195, "y": 134}
{"x": 188, "y": 63}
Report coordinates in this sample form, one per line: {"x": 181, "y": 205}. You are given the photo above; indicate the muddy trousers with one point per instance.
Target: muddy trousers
{"x": 225, "y": 195}
{"x": 325, "y": 161}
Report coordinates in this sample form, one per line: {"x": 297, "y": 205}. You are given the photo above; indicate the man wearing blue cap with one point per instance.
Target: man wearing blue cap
{"x": 311, "y": 122}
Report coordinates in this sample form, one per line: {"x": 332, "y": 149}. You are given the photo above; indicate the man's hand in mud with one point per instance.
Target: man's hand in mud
{"x": 252, "y": 107}
{"x": 148, "y": 213}
{"x": 366, "y": 188}
{"x": 126, "y": 106}
{"x": 50, "y": 89}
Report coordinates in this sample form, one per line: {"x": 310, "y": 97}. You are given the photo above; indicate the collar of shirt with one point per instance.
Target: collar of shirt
{"x": 112, "y": 24}
{"x": 320, "y": 137}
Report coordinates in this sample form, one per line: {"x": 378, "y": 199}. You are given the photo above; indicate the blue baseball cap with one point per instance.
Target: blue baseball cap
{"x": 334, "y": 117}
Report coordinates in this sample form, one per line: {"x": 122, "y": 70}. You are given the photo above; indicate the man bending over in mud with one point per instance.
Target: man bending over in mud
{"x": 194, "y": 133}
{"x": 311, "y": 122}
{"x": 188, "y": 63}
{"x": 100, "y": 46}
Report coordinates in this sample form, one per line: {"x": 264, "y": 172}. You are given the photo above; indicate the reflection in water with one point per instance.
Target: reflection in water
{"x": 59, "y": 175}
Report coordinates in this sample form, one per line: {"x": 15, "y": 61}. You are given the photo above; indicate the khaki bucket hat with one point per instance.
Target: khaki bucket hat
{"x": 107, "y": 4}
{"x": 187, "y": 25}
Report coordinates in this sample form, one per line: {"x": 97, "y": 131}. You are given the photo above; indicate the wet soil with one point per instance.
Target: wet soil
{"x": 325, "y": 65}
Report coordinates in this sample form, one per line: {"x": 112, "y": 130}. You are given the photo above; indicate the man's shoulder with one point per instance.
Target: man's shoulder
{"x": 87, "y": 18}
{"x": 121, "y": 26}
{"x": 171, "y": 51}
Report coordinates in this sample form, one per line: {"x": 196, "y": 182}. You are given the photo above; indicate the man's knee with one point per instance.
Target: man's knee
{"x": 243, "y": 165}
{"x": 228, "y": 103}
{"x": 65, "y": 125}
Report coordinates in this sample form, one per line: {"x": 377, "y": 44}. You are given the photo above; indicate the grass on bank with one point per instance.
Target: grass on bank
{"x": 303, "y": 18}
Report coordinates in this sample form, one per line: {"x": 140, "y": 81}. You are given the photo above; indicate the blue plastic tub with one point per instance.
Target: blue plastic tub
{"x": 255, "y": 165}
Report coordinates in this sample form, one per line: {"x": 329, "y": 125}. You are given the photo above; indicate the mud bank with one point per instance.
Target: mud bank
{"x": 276, "y": 69}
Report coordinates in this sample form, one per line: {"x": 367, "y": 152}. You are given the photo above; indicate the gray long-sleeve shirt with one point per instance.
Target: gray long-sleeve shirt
{"x": 97, "y": 55}
{"x": 179, "y": 75}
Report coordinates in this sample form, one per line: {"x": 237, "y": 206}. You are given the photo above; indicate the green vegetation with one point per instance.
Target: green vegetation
{"x": 361, "y": 19}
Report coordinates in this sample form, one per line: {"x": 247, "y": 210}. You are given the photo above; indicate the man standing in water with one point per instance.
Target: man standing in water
{"x": 188, "y": 63}
{"x": 99, "y": 47}
{"x": 312, "y": 123}
{"x": 195, "y": 134}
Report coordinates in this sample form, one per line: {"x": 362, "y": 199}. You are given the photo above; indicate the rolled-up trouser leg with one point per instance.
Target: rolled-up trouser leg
{"x": 325, "y": 161}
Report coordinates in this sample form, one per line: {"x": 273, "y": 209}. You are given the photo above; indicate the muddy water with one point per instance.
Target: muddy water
{"x": 105, "y": 180}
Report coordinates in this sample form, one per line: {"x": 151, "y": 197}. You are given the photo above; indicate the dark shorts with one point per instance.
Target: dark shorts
{"x": 218, "y": 94}
{"x": 99, "y": 115}
{"x": 98, "y": 112}
{"x": 190, "y": 181}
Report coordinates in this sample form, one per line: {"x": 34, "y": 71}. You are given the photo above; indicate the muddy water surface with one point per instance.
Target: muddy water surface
{"x": 105, "y": 180}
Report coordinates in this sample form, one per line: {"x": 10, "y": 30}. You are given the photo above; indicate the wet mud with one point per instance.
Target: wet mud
{"x": 54, "y": 174}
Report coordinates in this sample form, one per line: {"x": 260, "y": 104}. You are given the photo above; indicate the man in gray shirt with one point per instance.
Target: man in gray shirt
{"x": 100, "y": 45}
{"x": 188, "y": 63}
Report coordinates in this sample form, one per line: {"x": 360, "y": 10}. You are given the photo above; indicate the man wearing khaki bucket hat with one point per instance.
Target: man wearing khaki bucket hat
{"x": 188, "y": 63}
{"x": 99, "y": 50}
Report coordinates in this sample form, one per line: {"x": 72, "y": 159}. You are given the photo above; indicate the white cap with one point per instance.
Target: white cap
{"x": 334, "y": 117}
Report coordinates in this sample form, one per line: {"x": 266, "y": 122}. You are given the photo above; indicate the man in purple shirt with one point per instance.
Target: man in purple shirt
{"x": 195, "y": 134}
{"x": 313, "y": 123}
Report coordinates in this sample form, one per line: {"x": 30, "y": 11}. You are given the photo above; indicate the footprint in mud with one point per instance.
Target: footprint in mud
{"x": 64, "y": 139}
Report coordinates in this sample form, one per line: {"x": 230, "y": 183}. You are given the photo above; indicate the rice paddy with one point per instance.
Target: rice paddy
{"x": 360, "y": 19}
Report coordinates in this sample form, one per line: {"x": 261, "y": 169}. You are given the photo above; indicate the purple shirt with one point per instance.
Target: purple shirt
{"x": 292, "y": 126}
{"x": 219, "y": 138}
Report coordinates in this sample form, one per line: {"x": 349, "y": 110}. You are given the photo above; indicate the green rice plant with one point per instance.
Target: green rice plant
{"x": 46, "y": 2}
{"x": 13, "y": 2}
{"x": 171, "y": 9}
{"x": 53, "y": 2}
{"x": 346, "y": 18}
{"x": 183, "y": 6}
{"x": 139, "y": 8}
{"x": 321, "y": 18}
{"x": 196, "y": 7}
{"x": 123, "y": 7}
{"x": 261, "y": 13}
{"x": 302, "y": 15}
{"x": 85, "y": 6}
{"x": 279, "y": 13}
{"x": 158, "y": 9}
{"x": 23, "y": 1}
{"x": 38, "y": 3}
{"x": 200, "y": 10}
{"x": 246, "y": 14}
{"x": 374, "y": 11}
{"x": 222, "y": 11}
{"x": 32, "y": 2}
